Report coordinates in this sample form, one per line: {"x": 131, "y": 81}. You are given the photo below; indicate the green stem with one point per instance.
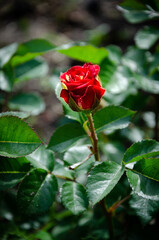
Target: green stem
{"x": 93, "y": 137}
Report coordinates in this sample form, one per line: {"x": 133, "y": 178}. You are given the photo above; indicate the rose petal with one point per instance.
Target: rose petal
{"x": 86, "y": 102}
{"x": 65, "y": 95}
{"x": 94, "y": 68}
{"x": 63, "y": 76}
{"x": 99, "y": 91}
{"x": 97, "y": 83}
{"x": 78, "y": 85}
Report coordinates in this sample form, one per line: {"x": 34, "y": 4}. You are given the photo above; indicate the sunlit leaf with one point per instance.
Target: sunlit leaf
{"x": 143, "y": 186}
{"x": 102, "y": 179}
{"x": 6, "y": 53}
{"x": 148, "y": 167}
{"x": 112, "y": 117}
{"x": 139, "y": 150}
{"x": 83, "y": 52}
{"x": 29, "y": 50}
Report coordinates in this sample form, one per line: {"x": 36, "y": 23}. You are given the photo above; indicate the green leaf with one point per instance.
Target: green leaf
{"x": 112, "y": 117}
{"x": 74, "y": 197}
{"x": 12, "y": 171}
{"x": 16, "y": 137}
{"x": 36, "y": 192}
{"x": 76, "y": 154}
{"x": 136, "y": 12}
{"x": 42, "y": 235}
{"x": 16, "y": 114}
{"x": 35, "y": 68}
{"x": 142, "y": 186}
{"x": 139, "y": 150}
{"x": 42, "y": 158}
{"x": 148, "y": 167}
{"x": 6, "y": 53}
{"x": 82, "y": 52}
{"x": 146, "y": 37}
{"x": 144, "y": 208}
{"x": 29, "y": 50}
{"x": 65, "y": 136}
{"x": 114, "y": 53}
{"x": 6, "y": 78}
{"x": 27, "y": 102}
{"x": 102, "y": 179}
{"x": 137, "y": 16}
{"x": 132, "y": 4}
{"x": 61, "y": 171}
{"x": 154, "y": 64}
{"x": 148, "y": 85}
{"x": 114, "y": 78}
{"x": 136, "y": 60}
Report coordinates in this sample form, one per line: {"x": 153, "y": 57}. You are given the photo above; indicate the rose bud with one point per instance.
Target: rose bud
{"x": 81, "y": 87}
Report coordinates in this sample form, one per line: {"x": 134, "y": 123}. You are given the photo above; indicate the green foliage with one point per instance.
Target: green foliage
{"x": 6, "y": 53}
{"x": 34, "y": 68}
{"x": 62, "y": 171}
{"x": 65, "y": 136}
{"x": 6, "y": 78}
{"x": 21, "y": 115}
{"x": 12, "y": 171}
{"x": 112, "y": 117}
{"x": 148, "y": 168}
{"x": 136, "y": 11}
{"x": 16, "y": 137}
{"x": 83, "y": 52}
{"x": 42, "y": 158}
{"x": 102, "y": 180}
{"x": 140, "y": 150}
{"x": 74, "y": 197}
{"x": 144, "y": 208}
{"x": 31, "y": 49}
{"x": 143, "y": 186}
{"x": 36, "y": 192}
{"x": 146, "y": 37}
{"x": 27, "y": 102}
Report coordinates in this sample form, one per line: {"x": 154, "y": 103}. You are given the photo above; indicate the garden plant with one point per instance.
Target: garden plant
{"x": 98, "y": 177}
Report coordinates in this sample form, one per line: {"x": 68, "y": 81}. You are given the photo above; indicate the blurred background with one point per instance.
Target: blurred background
{"x": 61, "y": 21}
{"x": 94, "y": 21}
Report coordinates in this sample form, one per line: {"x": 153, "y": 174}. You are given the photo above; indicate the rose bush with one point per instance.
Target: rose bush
{"x": 81, "y": 87}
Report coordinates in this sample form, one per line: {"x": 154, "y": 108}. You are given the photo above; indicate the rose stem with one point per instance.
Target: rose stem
{"x": 93, "y": 137}
{"x": 94, "y": 141}
{"x": 109, "y": 219}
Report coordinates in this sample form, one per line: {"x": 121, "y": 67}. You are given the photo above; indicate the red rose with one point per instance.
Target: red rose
{"x": 81, "y": 87}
